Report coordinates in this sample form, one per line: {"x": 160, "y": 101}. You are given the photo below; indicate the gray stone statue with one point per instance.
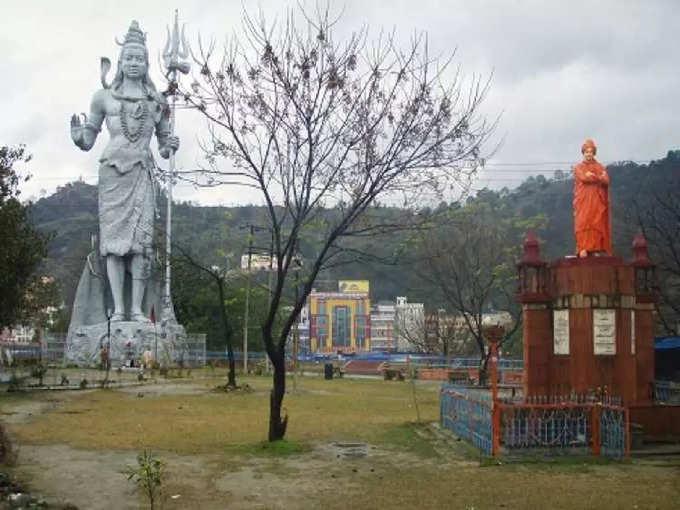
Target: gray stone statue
{"x": 120, "y": 280}
{"x": 133, "y": 109}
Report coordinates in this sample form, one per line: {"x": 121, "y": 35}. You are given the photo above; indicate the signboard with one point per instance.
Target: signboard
{"x": 561, "y": 331}
{"x": 604, "y": 332}
{"x": 257, "y": 262}
{"x": 632, "y": 331}
{"x": 353, "y": 286}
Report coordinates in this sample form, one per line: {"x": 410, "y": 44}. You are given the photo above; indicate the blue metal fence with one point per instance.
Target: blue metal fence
{"x": 545, "y": 429}
{"x": 613, "y": 432}
{"x": 552, "y": 427}
{"x": 667, "y": 392}
{"x": 467, "y": 413}
{"x": 415, "y": 359}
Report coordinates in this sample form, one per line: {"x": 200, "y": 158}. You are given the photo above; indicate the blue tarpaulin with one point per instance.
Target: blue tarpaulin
{"x": 669, "y": 342}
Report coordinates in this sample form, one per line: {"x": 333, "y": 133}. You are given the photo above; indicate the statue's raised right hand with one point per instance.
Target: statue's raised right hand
{"x": 77, "y": 131}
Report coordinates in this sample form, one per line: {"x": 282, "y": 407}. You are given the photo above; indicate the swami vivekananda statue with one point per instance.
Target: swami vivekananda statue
{"x": 119, "y": 280}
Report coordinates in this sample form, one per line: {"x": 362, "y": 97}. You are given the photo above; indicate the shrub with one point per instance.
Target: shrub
{"x": 148, "y": 475}
{"x": 38, "y": 372}
{"x": 15, "y": 382}
{"x": 8, "y": 454}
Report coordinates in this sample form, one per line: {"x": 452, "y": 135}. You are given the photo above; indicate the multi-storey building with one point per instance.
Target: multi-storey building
{"x": 447, "y": 332}
{"x": 382, "y": 326}
{"x": 340, "y": 321}
{"x": 409, "y": 325}
{"x": 303, "y": 331}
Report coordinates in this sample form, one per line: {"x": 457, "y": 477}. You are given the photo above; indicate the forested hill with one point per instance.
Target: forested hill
{"x": 71, "y": 214}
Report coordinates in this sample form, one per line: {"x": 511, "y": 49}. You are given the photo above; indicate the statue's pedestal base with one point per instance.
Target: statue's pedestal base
{"x": 128, "y": 340}
{"x": 593, "y": 331}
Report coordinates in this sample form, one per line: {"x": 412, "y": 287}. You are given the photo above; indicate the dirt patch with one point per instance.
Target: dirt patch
{"x": 16, "y": 411}
{"x": 92, "y": 480}
{"x": 162, "y": 388}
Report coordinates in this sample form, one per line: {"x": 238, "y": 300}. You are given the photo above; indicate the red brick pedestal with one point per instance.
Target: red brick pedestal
{"x": 589, "y": 329}
{"x": 565, "y": 351}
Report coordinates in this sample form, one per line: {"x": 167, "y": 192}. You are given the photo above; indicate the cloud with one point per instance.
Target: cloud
{"x": 562, "y": 71}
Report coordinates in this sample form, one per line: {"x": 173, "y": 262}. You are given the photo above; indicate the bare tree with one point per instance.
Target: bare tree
{"x": 314, "y": 124}
{"x": 659, "y": 220}
{"x": 435, "y": 332}
{"x": 470, "y": 258}
{"x": 411, "y": 329}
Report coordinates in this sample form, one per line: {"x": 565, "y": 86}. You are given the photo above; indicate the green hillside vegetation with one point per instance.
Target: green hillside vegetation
{"x": 213, "y": 234}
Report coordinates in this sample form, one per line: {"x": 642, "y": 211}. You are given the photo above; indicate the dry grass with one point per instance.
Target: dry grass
{"x": 187, "y": 418}
{"x": 211, "y": 422}
{"x": 513, "y": 487}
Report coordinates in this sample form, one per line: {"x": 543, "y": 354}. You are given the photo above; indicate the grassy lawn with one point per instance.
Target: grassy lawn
{"x": 207, "y": 422}
{"x": 213, "y": 443}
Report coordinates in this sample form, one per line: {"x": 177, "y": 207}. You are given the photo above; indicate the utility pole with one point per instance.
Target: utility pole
{"x": 269, "y": 283}
{"x": 245, "y": 315}
{"x": 296, "y": 333}
{"x": 251, "y": 234}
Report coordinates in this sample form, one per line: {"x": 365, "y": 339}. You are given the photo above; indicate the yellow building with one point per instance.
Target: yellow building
{"x": 340, "y": 321}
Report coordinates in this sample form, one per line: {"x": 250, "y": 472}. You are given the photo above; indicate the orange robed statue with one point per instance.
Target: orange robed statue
{"x": 591, "y": 205}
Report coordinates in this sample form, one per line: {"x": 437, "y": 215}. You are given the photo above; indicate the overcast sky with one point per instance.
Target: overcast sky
{"x": 562, "y": 72}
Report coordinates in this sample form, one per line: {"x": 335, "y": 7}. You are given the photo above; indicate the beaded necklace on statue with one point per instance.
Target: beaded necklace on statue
{"x": 139, "y": 113}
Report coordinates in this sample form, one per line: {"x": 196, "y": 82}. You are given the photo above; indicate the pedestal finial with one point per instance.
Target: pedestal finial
{"x": 640, "y": 255}
{"x": 532, "y": 254}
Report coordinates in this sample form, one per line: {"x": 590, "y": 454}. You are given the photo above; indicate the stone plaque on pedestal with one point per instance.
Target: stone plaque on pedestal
{"x": 561, "y": 331}
{"x": 604, "y": 332}
{"x": 632, "y": 331}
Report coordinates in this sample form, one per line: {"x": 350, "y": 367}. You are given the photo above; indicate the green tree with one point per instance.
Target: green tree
{"x": 23, "y": 246}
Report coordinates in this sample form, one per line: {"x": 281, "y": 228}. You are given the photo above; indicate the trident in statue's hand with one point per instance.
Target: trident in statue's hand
{"x": 173, "y": 59}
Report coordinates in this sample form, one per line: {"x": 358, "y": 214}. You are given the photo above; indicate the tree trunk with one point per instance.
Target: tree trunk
{"x": 484, "y": 370}
{"x": 277, "y": 424}
{"x": 231, "y": 376}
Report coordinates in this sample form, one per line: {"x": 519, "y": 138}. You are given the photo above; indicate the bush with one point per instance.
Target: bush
{"x": 83, "y": 383}
{"x": 259, "y": 368}
{"x": 15, "y": 382}
{"x": 8, "y": 455}
{"x": 148, "y": 475}
{"x": 38, "y": 372}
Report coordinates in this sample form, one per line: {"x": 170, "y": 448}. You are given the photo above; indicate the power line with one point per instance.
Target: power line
{"x": 486, "y": 165}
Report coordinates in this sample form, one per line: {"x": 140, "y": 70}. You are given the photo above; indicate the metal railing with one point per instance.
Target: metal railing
{"x": 667, "y": 392}
{"x": 539, "y": 426}
{"x": 468, "y": 414}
